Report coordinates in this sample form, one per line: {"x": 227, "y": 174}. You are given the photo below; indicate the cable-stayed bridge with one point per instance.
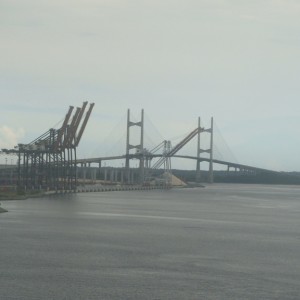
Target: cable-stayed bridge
{"x": 160, "y": 156}
{"x": 50, "y": 161}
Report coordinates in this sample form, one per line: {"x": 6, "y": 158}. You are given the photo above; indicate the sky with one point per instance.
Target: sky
{"x": 234, "y": 60}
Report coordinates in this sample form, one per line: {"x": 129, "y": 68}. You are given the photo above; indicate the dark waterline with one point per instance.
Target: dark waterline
{"x": 220, "y": 242}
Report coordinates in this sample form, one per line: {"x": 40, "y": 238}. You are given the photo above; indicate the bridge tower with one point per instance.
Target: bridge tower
{"x": 210, "y": 151}
{"x": 167, "y": 163}
{"x": 139, "y": 148}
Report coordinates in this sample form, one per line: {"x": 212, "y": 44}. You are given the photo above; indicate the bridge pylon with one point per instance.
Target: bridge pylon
{"x": 200, "y": 150}
{"x": 139, "y": 148}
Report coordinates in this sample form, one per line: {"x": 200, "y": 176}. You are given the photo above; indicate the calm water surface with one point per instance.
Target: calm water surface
{"x": 220, "y": 242}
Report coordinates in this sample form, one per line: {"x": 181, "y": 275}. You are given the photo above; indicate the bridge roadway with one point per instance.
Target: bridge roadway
{"x": 138, "y": 156}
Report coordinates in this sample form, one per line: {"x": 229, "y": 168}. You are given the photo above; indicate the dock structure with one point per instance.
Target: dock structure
{"x": 49, "y": 161}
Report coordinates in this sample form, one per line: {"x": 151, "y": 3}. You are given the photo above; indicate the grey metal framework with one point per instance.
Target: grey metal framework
{"x": 49, "y": 162}
{"x": 168, "y": 152}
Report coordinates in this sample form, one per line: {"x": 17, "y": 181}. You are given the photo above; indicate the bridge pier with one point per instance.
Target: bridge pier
{"x": 122, "y": 176}
{"x": 111, "y": 175}
{"x": 198, "y": 171}
{"x": 211, "y": 171}
{"x": 105, "y": 174}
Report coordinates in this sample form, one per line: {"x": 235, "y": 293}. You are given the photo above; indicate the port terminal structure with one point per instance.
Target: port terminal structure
{"x": 49, "y": 162}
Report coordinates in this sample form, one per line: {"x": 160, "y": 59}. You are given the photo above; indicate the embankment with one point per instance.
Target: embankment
{"x": 2, "y": 210}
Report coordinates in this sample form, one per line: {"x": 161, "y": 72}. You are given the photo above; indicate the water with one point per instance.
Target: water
{"x": 220, "y": 242}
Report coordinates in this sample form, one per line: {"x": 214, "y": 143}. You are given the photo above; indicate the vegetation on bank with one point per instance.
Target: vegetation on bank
{"x": 2, "y": 210}
{"x": 10, "y": 193}
{"x": 188, "y": 176}
{"x": 292, "y": 178}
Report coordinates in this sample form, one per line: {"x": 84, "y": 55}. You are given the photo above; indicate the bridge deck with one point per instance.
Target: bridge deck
{"x": 216, "y": 161}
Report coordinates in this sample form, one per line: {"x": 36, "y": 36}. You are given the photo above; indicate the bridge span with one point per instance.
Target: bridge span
{"x": 236, "y": 166}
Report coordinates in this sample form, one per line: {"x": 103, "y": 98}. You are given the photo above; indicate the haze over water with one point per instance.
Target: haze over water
{"x": 220, "y": 242}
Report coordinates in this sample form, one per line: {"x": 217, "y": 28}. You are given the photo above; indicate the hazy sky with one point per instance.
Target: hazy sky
{"x": 235, "y": 60}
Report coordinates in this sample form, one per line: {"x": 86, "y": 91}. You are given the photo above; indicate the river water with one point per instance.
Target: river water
{"x": 218, "y": 242}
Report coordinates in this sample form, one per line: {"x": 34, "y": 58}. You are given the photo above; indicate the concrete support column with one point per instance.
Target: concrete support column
{"x": 132, "y": 177}
{"x": 142, "y": 159}
{"x": 111, "y": 175}
{"x": 122, "y": 176}
{"x": 105, "y": 174}
{"x": 84, "y": 174}
{"x": 211, "y": 175}
{"x": 198, "y": 172}
{"x": 127, "y": 167}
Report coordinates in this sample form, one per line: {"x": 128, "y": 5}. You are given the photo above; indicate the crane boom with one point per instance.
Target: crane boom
{"x": 176, "y": 148}
{"x": 87, "y": 116}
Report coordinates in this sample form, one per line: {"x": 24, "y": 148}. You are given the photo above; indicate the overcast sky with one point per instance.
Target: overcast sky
{"x": 235, "y": 60}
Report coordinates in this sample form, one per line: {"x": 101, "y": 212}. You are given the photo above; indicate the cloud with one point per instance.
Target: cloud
{"x": 9, "y": 136}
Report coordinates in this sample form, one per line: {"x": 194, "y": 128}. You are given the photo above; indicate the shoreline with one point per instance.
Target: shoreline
{"x": 15, "y": 196}
{"x": 2, "y": 210}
